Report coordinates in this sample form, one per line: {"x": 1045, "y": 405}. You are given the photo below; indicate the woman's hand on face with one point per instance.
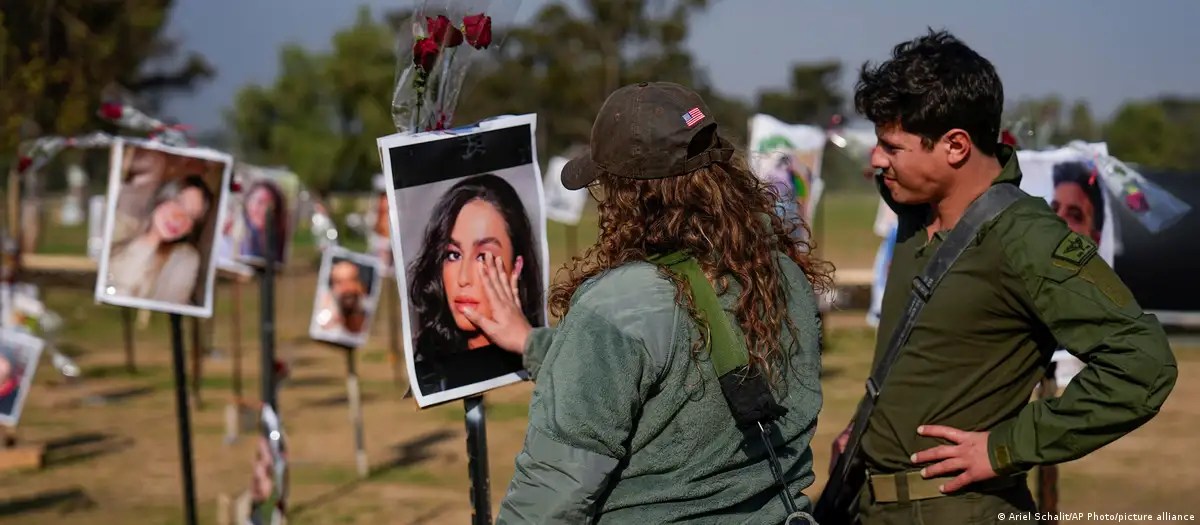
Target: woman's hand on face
{"x": 507, "y": 328}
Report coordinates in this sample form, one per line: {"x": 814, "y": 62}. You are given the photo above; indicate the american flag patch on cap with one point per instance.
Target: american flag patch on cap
{"x": 692, "y": 117}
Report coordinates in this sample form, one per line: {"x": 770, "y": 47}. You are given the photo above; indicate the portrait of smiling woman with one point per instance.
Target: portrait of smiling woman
{"x": 478, "y": 219}
{"x": 161, "y": 262}
{"x": 160, "y": 227}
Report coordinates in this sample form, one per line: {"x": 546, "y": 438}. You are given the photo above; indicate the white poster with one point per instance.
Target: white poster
{"x": 562, "y": 205}
{"x": 455, "y": 197}
{"x": 788, "y": 157}
{"x": 160, "y": 230}
{"x": 1071, "y": 185}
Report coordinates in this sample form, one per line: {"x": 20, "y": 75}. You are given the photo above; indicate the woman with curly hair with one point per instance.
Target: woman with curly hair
{"x": 628, "y": 423}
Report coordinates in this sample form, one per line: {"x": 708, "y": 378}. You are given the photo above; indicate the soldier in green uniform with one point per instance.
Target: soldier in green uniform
{"x": 954, "y": 432}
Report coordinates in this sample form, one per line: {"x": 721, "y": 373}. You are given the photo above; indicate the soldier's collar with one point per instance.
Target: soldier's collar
{"x": 1011, "y": 169}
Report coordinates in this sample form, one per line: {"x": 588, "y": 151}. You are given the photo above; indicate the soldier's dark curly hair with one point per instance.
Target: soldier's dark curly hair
{"x": 931, "y": 85}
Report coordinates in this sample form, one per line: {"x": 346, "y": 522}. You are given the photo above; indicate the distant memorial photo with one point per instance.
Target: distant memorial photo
{"x": 347, "y": 297}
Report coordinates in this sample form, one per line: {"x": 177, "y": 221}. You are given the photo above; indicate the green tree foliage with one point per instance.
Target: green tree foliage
{"x": 563, "y": 65}
{"x": 61, "y": 57}
{"x": 325, "y": 110}
{"x": 812, "y": 96}
{"x": 1163, "y": 133}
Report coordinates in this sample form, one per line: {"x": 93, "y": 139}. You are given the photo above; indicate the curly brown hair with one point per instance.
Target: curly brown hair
{"x": 719, "y": 214}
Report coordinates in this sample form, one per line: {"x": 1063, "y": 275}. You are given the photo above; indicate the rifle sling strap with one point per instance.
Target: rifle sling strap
{"x": 985, "y": 208}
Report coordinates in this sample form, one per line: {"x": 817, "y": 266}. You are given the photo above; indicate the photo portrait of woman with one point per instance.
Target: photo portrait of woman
{"x": 161, "y": 226}
{"x": 161, "y": 261}
{"x": 19, "y": 354}
{"x": 481, "y": 218}
{"x": 262, "y": 199}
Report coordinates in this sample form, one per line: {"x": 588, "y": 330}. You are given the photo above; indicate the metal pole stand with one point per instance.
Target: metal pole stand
{"x": 477, "y": 465}
{"x": 354, "y": 400}
{"x": 185, "y": 426}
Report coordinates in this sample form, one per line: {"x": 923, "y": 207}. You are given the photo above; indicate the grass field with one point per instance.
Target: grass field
{"x": 112, "y": 453}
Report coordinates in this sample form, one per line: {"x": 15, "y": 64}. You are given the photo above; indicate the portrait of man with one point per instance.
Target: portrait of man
{"x": 346, "y": 298}
{"x": 1078, "y": 199}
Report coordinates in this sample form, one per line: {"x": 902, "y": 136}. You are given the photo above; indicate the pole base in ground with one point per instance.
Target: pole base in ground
{"x": 22, "y": 457}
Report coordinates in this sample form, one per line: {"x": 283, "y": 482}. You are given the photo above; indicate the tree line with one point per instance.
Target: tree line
{"x": 322, "y": 113}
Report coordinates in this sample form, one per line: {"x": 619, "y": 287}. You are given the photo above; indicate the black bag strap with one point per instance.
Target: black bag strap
{"x": 985, "y": 208}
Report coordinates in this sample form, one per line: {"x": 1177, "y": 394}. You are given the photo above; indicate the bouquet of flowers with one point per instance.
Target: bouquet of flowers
{"x": 433, "y": 66}
{"x": 1154, "y": 207}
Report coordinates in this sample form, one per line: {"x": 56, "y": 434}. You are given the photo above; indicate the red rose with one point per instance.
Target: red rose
{"x": 479, "y": 30}
{"x": 23, "y": 164}
{"x": 1007, "y": 138}
{"x": 425, "y": 53}
{"x": 442, "y": 32}
{"x": 1137, "y": 202}
{"x": 111, "y": 110}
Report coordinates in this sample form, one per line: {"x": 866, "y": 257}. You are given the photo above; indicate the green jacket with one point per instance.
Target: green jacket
{"x": 626, "y": 426}
{"x": 1025, "y": 286}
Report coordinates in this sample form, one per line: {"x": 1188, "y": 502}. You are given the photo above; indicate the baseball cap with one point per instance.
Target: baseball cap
{"x": 646, "y": 131}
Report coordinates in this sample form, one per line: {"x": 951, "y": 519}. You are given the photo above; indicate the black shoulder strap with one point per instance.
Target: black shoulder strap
{"x": 987, "y": 207}
{"x": 840, "y": 498}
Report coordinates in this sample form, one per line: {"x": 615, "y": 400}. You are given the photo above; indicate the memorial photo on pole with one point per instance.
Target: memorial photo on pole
{"x": 379, "y": 226}
{"x": 455, "y": 199}
{"x": 19, "y": 354}
{"x": 164, "y": 205}
{"x": 243, "y": 240}
{"x": 347, "y": 297}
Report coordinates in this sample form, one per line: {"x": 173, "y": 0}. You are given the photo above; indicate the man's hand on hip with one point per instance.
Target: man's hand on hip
{"x": 968, "y": 455}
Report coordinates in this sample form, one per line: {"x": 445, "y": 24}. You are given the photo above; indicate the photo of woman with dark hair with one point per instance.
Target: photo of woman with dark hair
{"x": 480, "y": 217}
{"x": 160, "y": 227}
{"x": 263, "y": 198}
{"x": 161, "y": 262}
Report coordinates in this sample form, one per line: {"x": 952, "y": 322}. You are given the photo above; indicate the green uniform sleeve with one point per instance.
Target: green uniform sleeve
{"x": 1084, "y": 305}
{"x": 536, "y": 348}
{"x": 590, "y": 388}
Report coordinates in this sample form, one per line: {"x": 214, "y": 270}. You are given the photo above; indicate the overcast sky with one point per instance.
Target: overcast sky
{"x": 1104, "y": 51}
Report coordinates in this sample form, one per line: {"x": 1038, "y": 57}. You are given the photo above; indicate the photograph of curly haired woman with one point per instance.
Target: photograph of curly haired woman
{"x": 163, "y": 207}
{"x": 460, "y": 203}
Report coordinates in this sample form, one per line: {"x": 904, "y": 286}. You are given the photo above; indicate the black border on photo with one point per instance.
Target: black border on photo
{"x": 370, "y": 303}
{"x": 497, "y": 144}
{"x": 208, "y": 261}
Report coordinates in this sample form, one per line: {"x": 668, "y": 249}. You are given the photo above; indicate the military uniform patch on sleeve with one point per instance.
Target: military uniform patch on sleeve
{"x": 1075, "y": 249}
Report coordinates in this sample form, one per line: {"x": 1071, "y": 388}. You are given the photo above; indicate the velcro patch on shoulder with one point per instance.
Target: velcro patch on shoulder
{"x": 1075, "y": 249}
